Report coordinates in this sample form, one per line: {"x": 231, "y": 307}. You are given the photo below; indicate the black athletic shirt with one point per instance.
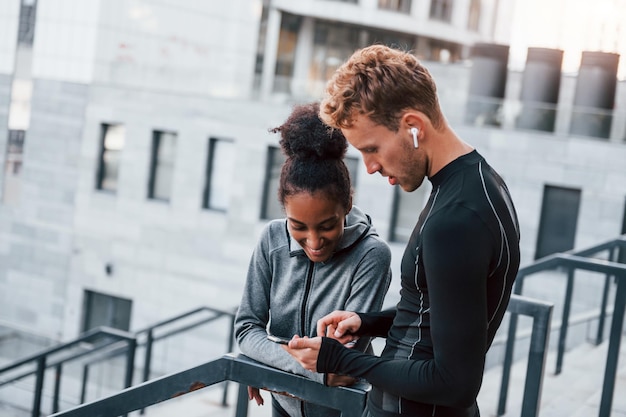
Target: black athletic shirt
{"x": 457, "y": 272}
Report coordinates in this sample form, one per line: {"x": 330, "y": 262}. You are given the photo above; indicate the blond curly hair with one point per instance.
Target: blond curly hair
{"x": 381, "y": 83}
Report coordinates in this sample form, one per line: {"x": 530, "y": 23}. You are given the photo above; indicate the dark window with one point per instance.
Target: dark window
{"x": 26, "y": 28}
{"x": 13, "y": 166}
{"x": 406, "y": 210}
{"x": 105, "y": 310}
{"x": 219, "y": 171}
{"x": 286, "y": 54}
{"x": 271, "y": 208}
{"x": 557, "y": 225}
{"x": 112, "y": 139}
{"x": 162, "y": 165}
{"x": 15, "y": 151}
{"x": 402, "y": 6}
{"x": 473, "y": 19}
{"x": 441, "y": 10}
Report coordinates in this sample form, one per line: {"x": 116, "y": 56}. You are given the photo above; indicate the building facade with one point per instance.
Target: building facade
{"x": 138, "y": 167}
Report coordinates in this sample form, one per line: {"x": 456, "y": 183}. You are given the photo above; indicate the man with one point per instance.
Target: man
{"x": 459, "y": 264}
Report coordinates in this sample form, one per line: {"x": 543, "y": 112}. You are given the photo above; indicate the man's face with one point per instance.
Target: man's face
{"x": 387, "y": 152}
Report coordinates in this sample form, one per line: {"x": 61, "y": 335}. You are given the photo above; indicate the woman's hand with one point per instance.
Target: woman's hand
{"x": 255, "y": 394}
{"x": 305, "y": 350}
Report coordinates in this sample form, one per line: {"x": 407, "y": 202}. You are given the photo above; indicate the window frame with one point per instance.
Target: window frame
{"x": 210, "y": 163}
{"x": 154, "y": 164}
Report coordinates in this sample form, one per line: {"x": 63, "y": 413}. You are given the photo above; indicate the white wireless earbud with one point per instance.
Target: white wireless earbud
{"x": 414, "y": 132}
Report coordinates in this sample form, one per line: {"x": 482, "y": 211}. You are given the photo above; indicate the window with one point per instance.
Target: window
{"x": 13, "y": 166}
{"x": 406, "y": 210}
{"x": 162, "y": 165}
{"x": 557, "y": 225}
{"x": 286, "y": 54}
{"x": 111, "y": 144}
{"x": 219, "y": 172}
{"x": 271, "y": 208}
{"x": 105, "y": 310}
{"x": 473, "y": 19}
{"x": 402, "y": 6}
{"x": 441, "y": 10}
{"x": 26, "y": 28}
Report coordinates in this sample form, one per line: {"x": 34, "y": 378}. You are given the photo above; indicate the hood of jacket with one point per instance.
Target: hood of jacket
{"x": 357, "y": 226}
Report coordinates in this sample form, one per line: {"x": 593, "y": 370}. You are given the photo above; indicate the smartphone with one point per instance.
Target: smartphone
{"x": 277, "y": 339}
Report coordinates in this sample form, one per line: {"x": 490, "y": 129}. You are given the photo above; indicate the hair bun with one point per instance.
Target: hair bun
{"x": 305, "y": 136}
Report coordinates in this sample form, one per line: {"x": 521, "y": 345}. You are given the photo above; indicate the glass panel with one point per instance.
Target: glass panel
{"x": 113, "y": 143}
{"x": 403, "y": 6}
{"x": 106, "y": 310}
{"x": 164, "y": 165}
{"x": 559, "y": 216}
{"x": 407, "y": 207}
{"x": 271, "y": 207}
{"x": 220, "y": 173}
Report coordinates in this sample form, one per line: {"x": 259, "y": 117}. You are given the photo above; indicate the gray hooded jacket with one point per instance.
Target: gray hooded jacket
{"x": 286, "y": 293}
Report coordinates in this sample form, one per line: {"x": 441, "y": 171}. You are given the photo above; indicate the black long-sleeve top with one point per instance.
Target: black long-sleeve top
{"x": 457, "y": 272}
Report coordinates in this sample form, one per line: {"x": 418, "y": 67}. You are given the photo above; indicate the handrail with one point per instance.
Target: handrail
{"x": 41, "y": 361}
{"x": 114, "y": 352}
{"x": 349, "y": 400}
{"x": 572, "y": 261}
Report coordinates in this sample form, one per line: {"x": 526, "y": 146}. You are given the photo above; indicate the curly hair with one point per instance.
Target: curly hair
{"x": 381, "y": 83}
{"x": 315, "y": 153}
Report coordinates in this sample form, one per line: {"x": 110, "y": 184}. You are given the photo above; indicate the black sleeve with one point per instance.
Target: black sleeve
{"x": 376, "y": 324}
{"x": 456, "y": 256}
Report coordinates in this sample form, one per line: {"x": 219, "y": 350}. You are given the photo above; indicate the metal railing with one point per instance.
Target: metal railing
{"x": 350, "y": 400}
{"x": 570, "y": 262}
{"x": 105, "y": 339}
{"x": 145, "y": 337}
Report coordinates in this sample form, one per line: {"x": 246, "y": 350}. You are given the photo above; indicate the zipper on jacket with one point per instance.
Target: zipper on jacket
{"x": 305, "y": 299}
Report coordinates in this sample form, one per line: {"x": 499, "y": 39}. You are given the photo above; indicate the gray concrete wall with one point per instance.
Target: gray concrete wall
{"x": 38, "y": 231}
{"x": 171, "y": 257}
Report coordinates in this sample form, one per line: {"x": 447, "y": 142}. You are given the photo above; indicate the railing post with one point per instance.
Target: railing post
{"x": 242, "y": 401}
{"x": 83, "y": 390}
{"x": 612, "y": 356}
{"x": 509, "y": 351}
{"x": 605, "y": 298}
{"x": 57, "y": 387}
{"x": 231, "y": 344}
{"x": 39, "y": 375}
{"x": 148, "y": 359}
{"x": 508, "y": 362}
{"x": 567, "y": 306}
{"x": 130, "y": 362}
{"x": 536, "y": 362}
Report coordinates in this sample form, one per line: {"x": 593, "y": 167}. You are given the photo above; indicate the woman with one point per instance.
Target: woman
{"x": 324, "y": 256}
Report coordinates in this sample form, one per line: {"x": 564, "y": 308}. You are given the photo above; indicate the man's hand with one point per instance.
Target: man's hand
{"x": 340, "y": 325}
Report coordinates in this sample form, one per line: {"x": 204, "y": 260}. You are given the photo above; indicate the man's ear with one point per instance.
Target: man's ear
{"x": 412, "y": 119}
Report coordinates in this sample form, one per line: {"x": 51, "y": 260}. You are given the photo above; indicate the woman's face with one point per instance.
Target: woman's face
{"x": 316, "y": 223}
